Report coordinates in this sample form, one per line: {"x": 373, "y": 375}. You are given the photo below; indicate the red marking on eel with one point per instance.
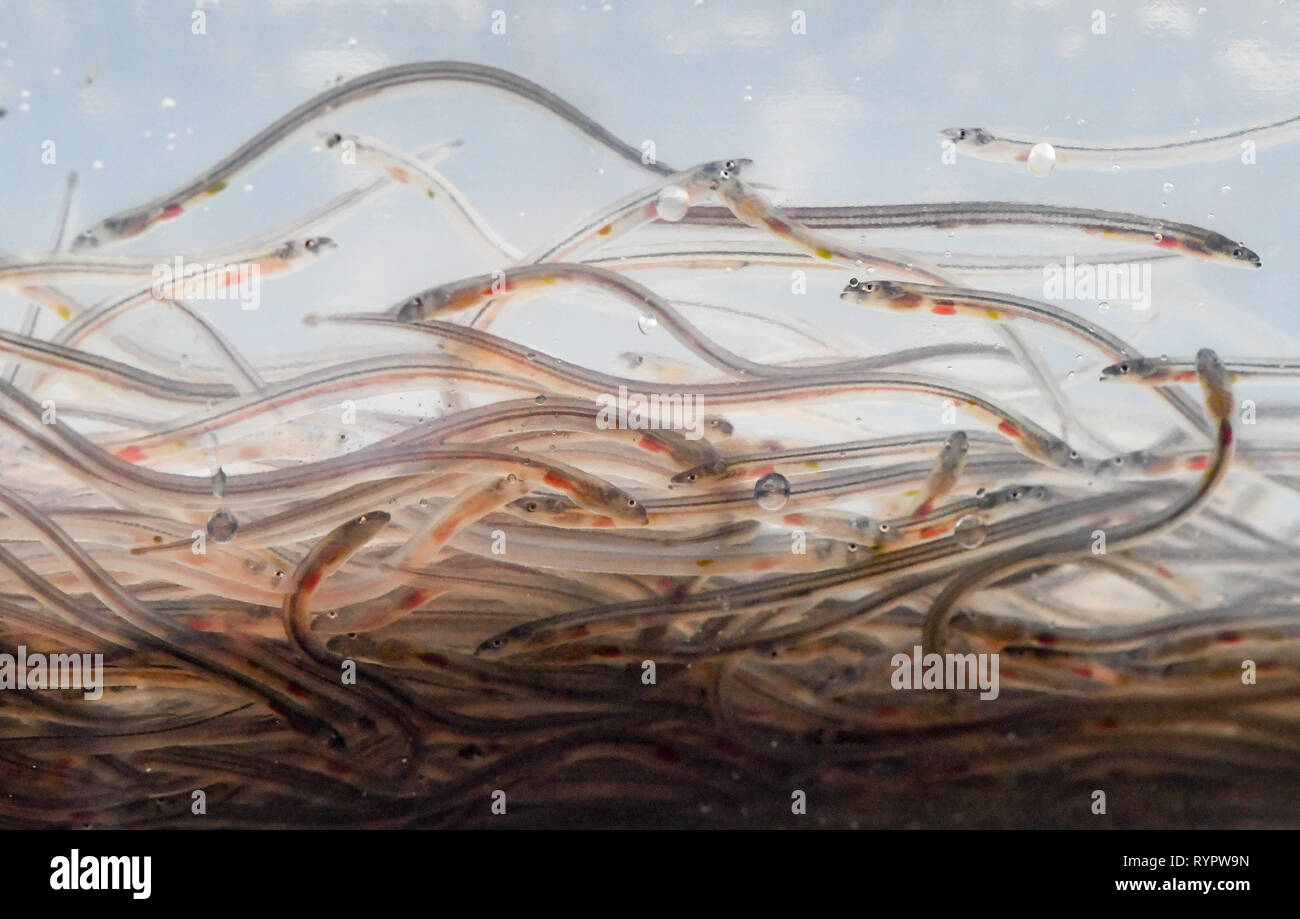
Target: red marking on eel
{"x": 170, "y": 211}
{"x": 446, "y": 531}
{"x": 944, "y": 308}
{"x": 132, "y": 454}
{"x": 1009, "y": 429}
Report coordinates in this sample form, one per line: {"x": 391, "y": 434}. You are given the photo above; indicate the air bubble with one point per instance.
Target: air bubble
{"x": 970, "y": 531}
{"x": 1042, "y": 159}
{"x": 772, "y": 491}
{"x": 222, "y": 526}
{"x": 1168, "y": 187}
{"x": 645, "y": 323}
{"x": 672, "y": 203}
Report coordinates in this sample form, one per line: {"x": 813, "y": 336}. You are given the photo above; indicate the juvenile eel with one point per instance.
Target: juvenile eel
{"x": 992, "y": 306}
{"x": 410, "y": 169}
{"x": 141, "y": 219}
{"x": 1195, "y": 241}
{"x": 1161, "y": 371}
{"x": 985, "y": 145}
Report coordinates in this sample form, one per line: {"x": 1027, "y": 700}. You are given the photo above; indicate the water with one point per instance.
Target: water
{"x": 841, "y": 107}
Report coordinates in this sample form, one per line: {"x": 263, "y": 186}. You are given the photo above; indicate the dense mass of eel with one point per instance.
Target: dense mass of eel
{"x": 548, "y": 602}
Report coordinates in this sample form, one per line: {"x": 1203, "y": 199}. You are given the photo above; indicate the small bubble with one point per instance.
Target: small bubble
{"x": 98, "y": 164}
{"x": 772, "y": 491}
{"x": 672, "y": 203}
{"x": 222, "y": 526}
{"x": 219, "y": 483}
{"x": 168, "y": 102}
{"x": 1225, "y": 189}
{"x": 1103, "y": 306}
{"x": 540, "y": 400}
{"x": 646, "y": 322}
{"x": 1200, "y": 11}
{"x": 1210, "y": 215}
{"x": 1168, "y": 187}
{"x": 1114, "y": 167}
{"x": 970, "y": 531}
